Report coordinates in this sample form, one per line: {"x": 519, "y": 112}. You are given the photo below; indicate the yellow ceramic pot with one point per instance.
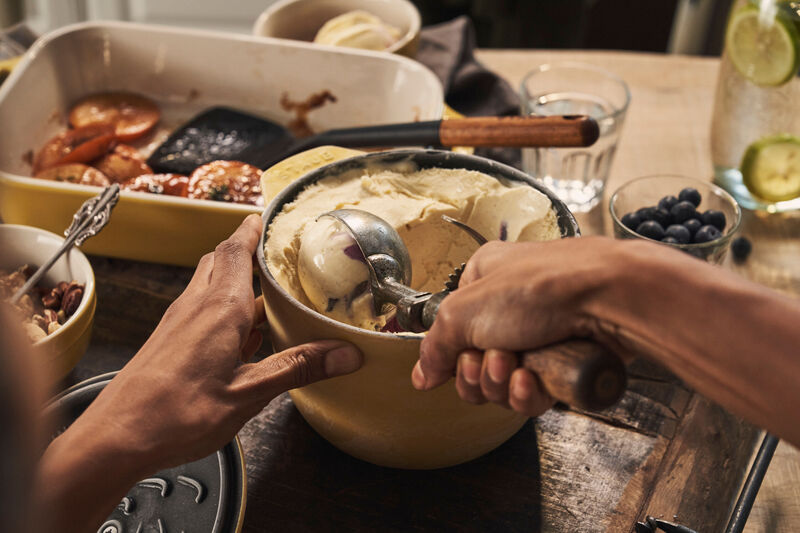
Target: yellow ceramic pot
{"x": 375, "y": 414}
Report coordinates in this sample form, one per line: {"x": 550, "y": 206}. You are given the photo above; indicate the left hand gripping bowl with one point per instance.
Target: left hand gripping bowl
{"x": 375, "y": 414}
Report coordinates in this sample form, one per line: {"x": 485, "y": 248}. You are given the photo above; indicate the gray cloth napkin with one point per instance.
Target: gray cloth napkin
{"x": 470, "y": 88}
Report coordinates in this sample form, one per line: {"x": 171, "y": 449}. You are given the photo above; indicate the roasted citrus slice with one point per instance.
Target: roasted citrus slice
{"x": 771, "y": 168}
{"x": 75, "y": 173}
{"x": 122, "y": 164}
{"x": 169, "y": 184}
{"x": 227, "y": 181}
{"x": 79, "y": 145}
{"x": 132, "y": 115}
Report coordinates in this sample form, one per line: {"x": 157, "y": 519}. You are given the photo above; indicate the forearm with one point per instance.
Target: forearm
{"x": 82, "y": 476}
{"x": 732, "y": 340}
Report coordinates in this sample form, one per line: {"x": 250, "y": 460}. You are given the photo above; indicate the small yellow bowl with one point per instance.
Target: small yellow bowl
{"x": 21, "y": 245}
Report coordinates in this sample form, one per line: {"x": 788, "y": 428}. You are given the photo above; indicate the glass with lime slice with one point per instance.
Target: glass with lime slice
{"x": 755, "y": 128}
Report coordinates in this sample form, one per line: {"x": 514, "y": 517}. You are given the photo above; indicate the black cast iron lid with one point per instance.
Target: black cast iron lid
{"x": 198, "y": 497}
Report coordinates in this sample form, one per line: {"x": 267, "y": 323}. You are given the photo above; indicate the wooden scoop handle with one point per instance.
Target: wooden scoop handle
{"x": 555, "y": 131}
{"x": 579, "y": 373}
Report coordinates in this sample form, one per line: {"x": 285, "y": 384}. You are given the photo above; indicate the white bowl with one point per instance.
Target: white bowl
{"x": 185, "y": 71}
{"x": 301, "y": 19}
{"x": 22, "y": 245}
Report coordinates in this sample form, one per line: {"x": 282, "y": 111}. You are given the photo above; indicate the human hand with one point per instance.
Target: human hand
{"x": 186, "y": 393}
{"x": 511, "y": 298}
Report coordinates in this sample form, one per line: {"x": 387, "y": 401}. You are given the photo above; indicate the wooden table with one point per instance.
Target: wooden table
{"x": 662, "y": 451}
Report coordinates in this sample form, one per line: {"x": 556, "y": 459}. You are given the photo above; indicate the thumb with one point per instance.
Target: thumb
{"x": 299, "y": 366}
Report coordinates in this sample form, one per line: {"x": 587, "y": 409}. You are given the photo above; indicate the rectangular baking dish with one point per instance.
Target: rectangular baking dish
{"x": 185, "y": 71}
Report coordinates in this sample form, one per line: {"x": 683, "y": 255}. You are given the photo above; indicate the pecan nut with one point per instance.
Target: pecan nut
{"x": 50, "y": 316}
{"x": 52, "y": 300}
{"x": 72, "y": 299}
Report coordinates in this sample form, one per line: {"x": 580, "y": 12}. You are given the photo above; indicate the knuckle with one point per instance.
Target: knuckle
{"x": 305, "y": 366}
{"x": 229, "y": 247}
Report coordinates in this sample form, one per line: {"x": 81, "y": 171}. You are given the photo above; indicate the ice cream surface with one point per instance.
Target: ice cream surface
{"x": 358, "y": 29}
{"x": 412, "y": 201}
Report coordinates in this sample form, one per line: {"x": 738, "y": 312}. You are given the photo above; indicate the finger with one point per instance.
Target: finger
{"x": 526, "y": 394}
{"x": 233, "y": 264}
{"x": 496, "y": 375}
{"x": 480, "y": 262}
{"x": 468, "y": 377}
{"x": 297, "y": 367}
{"x": 260, "y": 315}
{"x": 252, "y": 345}
{"x": 444, "y": 342}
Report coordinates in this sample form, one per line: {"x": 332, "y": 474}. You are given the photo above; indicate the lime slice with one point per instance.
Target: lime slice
{"x": 764, "y": 54}
{"x": 771, "y": 168}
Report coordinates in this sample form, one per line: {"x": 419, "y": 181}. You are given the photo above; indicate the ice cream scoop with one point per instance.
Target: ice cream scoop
{"x": 333, "y": 271}
{"x": 578, "y": 372}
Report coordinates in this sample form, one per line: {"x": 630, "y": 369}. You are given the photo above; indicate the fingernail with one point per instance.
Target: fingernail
{"x": 520, "y": 390}
{"x": 342, "y": 360}
{"x": 496, "y": 369}
{"x": 418, "y": 377}
{"x": 471, "y": 370}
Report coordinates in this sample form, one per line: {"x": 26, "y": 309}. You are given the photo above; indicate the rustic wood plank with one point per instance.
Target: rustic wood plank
{"x": 702, "y": 469}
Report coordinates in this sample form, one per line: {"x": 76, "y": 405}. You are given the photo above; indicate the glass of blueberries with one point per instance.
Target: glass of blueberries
{"x": 688, "y": 214}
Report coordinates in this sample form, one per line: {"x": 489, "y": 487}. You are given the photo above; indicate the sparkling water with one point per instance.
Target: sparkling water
{"x": 744, "y": 113}
{"x": 576, "y": 175}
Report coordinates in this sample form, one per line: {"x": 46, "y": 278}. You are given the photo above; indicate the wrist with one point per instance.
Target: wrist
{"x": 83, "y": 475}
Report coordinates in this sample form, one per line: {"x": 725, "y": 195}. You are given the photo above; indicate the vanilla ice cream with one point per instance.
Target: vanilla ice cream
{"x": 358, "y": 29}
{"x": 412, "y": 201}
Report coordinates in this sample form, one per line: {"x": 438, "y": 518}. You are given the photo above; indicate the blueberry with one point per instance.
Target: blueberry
{"x": 682, "y": 211}
{"x": 678, "y": 232}
{"x": 741, "y": 248}
{"x": 646, "y": 213}
{"x": 650, "y": 229}
{"x": 663, "y": 217}
{"x": 667, "y": 202}
{"x": 631, "y": 221}
{"x": 670, "y": 240}
{"x": 707, "y": 234}
{"x": 690, "y": 195}
{"x": 692, "y": 225}
{"x": 714, "y": 218}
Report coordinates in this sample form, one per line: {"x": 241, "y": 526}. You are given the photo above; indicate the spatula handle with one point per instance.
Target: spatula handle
{"x": 579, "y": 373}
{"x": 547, "y": 131}
{"x": 552, "y": 131}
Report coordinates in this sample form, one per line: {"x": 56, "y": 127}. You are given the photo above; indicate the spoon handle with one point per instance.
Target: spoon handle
{"x": 92, "y": 217}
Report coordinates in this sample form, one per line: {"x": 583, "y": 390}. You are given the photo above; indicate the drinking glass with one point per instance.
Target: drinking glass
{"x": 576, "y": 175}
{"x": 755, "y": 127}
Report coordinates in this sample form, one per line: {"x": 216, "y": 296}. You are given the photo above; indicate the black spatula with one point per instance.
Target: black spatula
{"x": 223, "y": 133}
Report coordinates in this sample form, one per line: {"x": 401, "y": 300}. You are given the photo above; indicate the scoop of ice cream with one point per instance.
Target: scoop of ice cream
{"x": 333, "y": 272}
{"x": 358, "y": 29}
